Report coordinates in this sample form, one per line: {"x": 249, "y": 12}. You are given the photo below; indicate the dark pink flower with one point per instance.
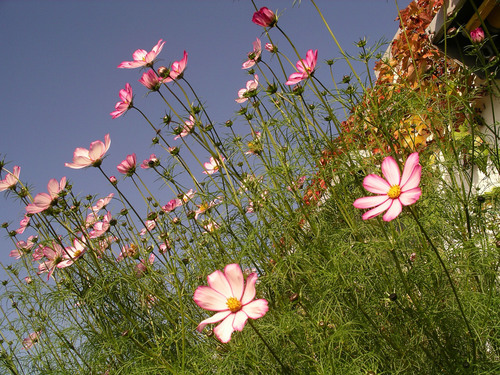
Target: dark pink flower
{"x": 172, "y": 205}
{"x": 477, "y": 35}
{"x": 270, "y": 47}
{"x": 92, "y": 157}
{"x": 113, "y": 180}
{"x": 264, "y": 17}
{"x": 143, "y": 58}
{"x": 151, "y": 162}
{"x": 11, "y": 179}
{"x": 151, "y": 80}
{"x": 394, "y": 192}
{"x": 23, "y": 224}
{"x": 177, "y": 69}
{"x": 42, "y": 201}
{"x": 254, "y": 56}
{"x": 233, "y": 301}
{"x": 127, "y": 166}
{"x": 126, "y": 103}
{"x": 305, "y": 67}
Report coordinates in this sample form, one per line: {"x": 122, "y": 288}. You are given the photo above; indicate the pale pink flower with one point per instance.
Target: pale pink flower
{"x": 126, "y": 103}
{"x": 177, "y": 69}
{"x": 264, "y": 17}
{"x": 254, "y": 56}
{"x": 127, "y": 251}
{"x": 233, "y": 301}
{"x": 28, "y": 280}
{"x": 188, "y": 196}
{"x": 102, "y": 203}
{"x": 42, "y": 201}
{"x": 23, "y": 224}
{"x": 255, "y": 146}
{"x": 142, "y": 57}
{"x": 150, "y": 225}
{"x": 305, "y": 67}
{"x": 143, "y": 266}
{"x": 213, "y": 165}
{"x": 210, "y": 227}
{"x": 101, "y": 227}
{"x": 56, "y": 258}
{"x": 127, "y": 166}
{"x": 151, "y": 80}
{"x": 11, "y": 180}
{"x": 249, "y": 91}
{"x": 38, "y": 253}
{"x": 31, "y": 340}
{"x": 187, "y": 129}
{"x": 477, "y": 35}
{"x": 270, "y": 47}
{"x": 152, "y": 161}
{"x": 172, "y": 205}
{"x": 165, "y": 246}
{"x": 202, "y": 208}
{"x": 23, "y": 247}
{"x": 74, "y": 252}
{"x": 92, "y": 157}
{"x": 394, "y": 192}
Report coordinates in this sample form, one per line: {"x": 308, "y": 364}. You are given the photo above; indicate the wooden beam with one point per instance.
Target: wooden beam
{"x": 482, "y": 12}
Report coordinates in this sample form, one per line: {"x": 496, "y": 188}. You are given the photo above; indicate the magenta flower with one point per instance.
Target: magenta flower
{"x": 212, "y": 166}
{"x": 233, "y": 302}
{"x": 151, "y": 80}
{"x": 172, "y": 205}
{"x": 127, "y": 102}
{"x": 394, "y": 192}
{"x": 305, "y": 67}
{"x": 23, "y": 224}
{"x": 254, "y": 56}
{"x": 187, "y": 129}
{"x": 11, "y": 179}
{"x": 127, "y": 166}
{"x": 92, "y": 157}
{"x": 249, "y": 91}
{"x": 264, "y": 17}
{"x": 42, "y": 201}
{"x": 177, "y": 69}
{"x": 151, "y": 162}
{"x": 143, "y": 58}
{"x": 477, "y": 35}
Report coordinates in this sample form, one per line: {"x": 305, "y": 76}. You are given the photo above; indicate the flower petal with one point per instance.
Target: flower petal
{"x": 376, "y": 184}
{"x": 235, "y": 278}
{"x": 368, "y": 202}
{"x": 209, "y": 299}
{"x": 213, "y": 319}
{"x": 218, "y": 281}
{"x": 413, "y": 180}
{"x": 377, "y": 210}
{"x": 249, "y": 293}
{"x": 390, "y": 169}
{"x": 409, "y": 167}
{"x": 256, "y": 309}
{"x": 393, "y": 211}
{"x": 410, "y": 196}
{"x": 240, "y": 319}
{"x": 224, "y": 330}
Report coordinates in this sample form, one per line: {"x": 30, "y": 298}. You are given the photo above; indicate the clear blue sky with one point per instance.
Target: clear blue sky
{"x": 59, "y": 80}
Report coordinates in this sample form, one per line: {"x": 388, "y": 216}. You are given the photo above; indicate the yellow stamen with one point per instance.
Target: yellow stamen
{"x": 233, "y": 304}
{"x": 394, "y": 192}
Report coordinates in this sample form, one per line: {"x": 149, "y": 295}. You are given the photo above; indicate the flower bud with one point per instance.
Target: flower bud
{"x": 163, "y": 71}
{"x": 264, "y": 17}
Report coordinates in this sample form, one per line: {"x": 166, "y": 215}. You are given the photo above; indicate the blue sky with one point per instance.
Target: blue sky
{"x": 59, "y": 80}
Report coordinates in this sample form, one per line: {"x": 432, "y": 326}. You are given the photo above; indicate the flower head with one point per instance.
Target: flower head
{"x": 187, "y": 129}
{"x": 126, "y": 96}
{"x": 127, "y": 166}
{"x": 271, "y": 47}
{"x": 101, "y": 203}
{"x": 177, "y": 69}
{"x": 11, "y": 180}
{"x": 264, "y": 17}
{"x": 142, "y": 57}
{"x": 233, "y": 301}
{"x": 151, "y": 162}
{"x": 23, "y": 224}
{"x": 151, "y": 80}
{"x": 56, "y": 256}
{"x": 477, "y": 35}
{"x": 254, "y": 56}
{"x": 305, "y": 67}
{"x": 172, "y": 205}
{"x": 394, "y": 192}
{"x": 92, "y": 157}
{"x": 31, "y": 340}
{"x": 42, "y": 201}
{"x": 212, "y": 166}
{"x": 249, "y": 91}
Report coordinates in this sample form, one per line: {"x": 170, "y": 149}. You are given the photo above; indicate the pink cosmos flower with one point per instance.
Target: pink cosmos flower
{"x": 188, "y": 196}
{"x": 172, "y": 205}
{"x": 270, "y": 47}
{"x": 202, "y": 208}
{"x": 142, "y": 57}
{"x": 212, "y": 166}
{"x": 210, "y": 227}
{"x": 74, "y": 252}
{"x": 254, "y": 56}
{"x": 177, "y": 69}
{"x": 101, "y": 227}
{"x": 42, "y": 201}
{"x": 151, "y": 80}
{"x": 127, "y": 166}
{"x": 102, "y": 203}
{"x": 249, "y": 91}
{"x": 127, "y": 97}
{"x": 23, "y": 247}
{"x": 233, "y": 301}
{"x": 23, "y": 224}
{"x": 113, "y": 180}
{"x": 31, "y": 340}
{"x": 150, "y": 225}
{"x": 305, "y": 67}
{"x": 188, "y": 128}
{"x": 143, "y": 266}
{"x": 92, "y": 157}
{"x": 11, "y": 179}
{"x": 477, "y": 35}
{"x": 394, "y": 192}
{"x": 152, "y": 161}
{"x": 57, "y": 257}
{"x": 264, "y": 17}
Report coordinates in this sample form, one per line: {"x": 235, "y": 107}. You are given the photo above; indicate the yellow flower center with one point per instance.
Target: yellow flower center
{"x": 233, "y": 304}
{"x": 394, "y": 192}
